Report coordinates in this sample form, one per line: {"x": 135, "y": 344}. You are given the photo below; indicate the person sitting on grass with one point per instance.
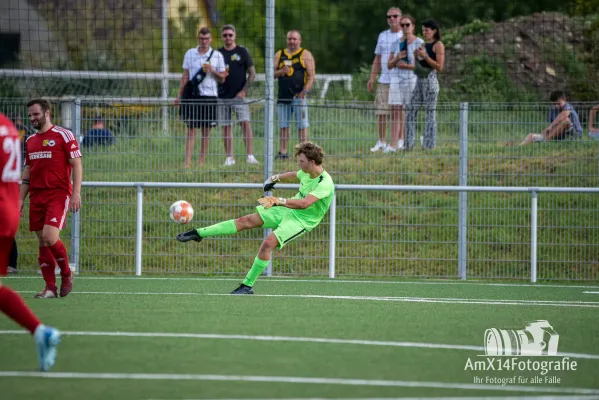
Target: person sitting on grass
{"x": 593, "y": 131}
{"x": 564, "y": 122}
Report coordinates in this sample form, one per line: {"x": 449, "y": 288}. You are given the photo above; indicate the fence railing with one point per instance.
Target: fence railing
{"x": 367, "y": 242}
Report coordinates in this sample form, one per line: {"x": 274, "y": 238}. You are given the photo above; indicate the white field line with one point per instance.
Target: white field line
{"x": 591, "y": 292}
{"x": 560, "y": 397}
{"x": 285, "y": 280}
{"x": 545, "y": 303}
{"x": 288, "y": 339}
{"x": 299, "y": 380}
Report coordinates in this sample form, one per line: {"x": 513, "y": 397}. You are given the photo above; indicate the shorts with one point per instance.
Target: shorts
{"x": 381, "y": 101}
{"x": 286, "y": 225}
{"x": 200, "y": 112}
{"x": 298, "y": 108}
{"x": 400, "y": 93}
{"x": 6, "y": 244}
{"x": 226, "y": 108}
{"x": 10, "y": 217}
{"x": 48, "y": 207}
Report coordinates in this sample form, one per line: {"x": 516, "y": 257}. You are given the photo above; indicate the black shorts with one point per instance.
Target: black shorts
{"x": 200, "y": 112}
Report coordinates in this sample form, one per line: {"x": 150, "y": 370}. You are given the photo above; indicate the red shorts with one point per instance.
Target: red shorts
{"x": 6, "y": 243}
{"x": 48, "y": 207}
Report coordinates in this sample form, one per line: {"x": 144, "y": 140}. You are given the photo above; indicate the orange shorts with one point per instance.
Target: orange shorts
{"x": 48, "y": 207}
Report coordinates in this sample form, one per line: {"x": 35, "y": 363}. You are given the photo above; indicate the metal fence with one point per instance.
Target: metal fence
{"x": 379, "y": 233}
{"x": 375, "y": 231}
{"x": 482, "y": 136}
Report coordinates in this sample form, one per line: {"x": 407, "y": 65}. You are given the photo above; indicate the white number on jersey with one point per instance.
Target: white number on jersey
{"x": 12, "y": 170}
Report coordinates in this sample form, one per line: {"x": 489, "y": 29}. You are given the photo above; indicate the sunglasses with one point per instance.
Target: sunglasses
{"x": 405, "y": 25}
{"x": 227, "y": 35}
{"x": 393, "y": 16}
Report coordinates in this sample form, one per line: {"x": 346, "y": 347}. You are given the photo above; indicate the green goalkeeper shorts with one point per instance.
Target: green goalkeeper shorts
{"x": 286, "y": 225}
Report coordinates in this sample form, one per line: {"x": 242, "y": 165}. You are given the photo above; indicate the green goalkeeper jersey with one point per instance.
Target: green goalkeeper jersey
{"x": 321, "y": 187}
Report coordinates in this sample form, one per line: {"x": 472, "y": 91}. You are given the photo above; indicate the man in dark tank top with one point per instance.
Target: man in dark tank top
{"x": 294, "y": 70}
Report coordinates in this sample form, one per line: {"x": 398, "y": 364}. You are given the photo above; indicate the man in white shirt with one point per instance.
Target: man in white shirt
{"x": 205, "y": 67}
{"x": 383, "y": 49}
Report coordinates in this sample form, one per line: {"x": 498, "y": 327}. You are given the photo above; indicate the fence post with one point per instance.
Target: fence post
{"x": 75, "y": 125}
{"x": 332, "y": 227}
{"x": 533, "y": 237}
{"x": 269, "y": 105}
{"x": 139, "y": 229}
{"x": 463, "y": 196}
{"x": 165, "y": 85}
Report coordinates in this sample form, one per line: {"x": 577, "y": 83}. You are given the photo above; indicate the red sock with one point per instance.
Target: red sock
{"x": 62, "y": 259}
{"x": 47, "y": 263}
{"x": 13, "y": 305}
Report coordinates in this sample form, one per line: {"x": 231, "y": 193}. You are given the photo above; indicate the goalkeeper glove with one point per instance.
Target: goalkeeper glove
{"x": 270, "y": 201}
{"x": 269, "y": 184}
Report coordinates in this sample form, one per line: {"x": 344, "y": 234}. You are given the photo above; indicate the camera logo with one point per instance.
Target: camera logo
{"x": 537, "y": 339}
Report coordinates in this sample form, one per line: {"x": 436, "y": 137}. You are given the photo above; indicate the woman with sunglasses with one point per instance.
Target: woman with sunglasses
{"x": 403, "y": 80}
{"x": 430, "y": 59}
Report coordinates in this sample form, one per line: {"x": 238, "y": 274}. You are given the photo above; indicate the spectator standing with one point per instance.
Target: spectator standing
{"x": 430, "y": 60}
{"x": 593, "y": 131}
{"x": 294, "y": 69}
{"x": 403, "y": 80}
{"x": 232, "y": 93}
{"x": 382, "y": 109}
{"x": 204, "y": 67}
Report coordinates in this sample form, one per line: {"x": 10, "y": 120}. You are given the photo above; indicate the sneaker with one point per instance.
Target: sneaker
{"x": 282, "y": 156}
{"x": 46, "y": 341}
{"x": 378, "y": 146}
{"x": 12, "y": 270}
{"x": 400, "y": 145}
{"x": 389, "y": 149}
{"x": 243, "y": 289}
{"x": 66, "y": 284}
{"x": 47, "y": 293}
{"x": 189, "y": 235}
{"x": 251, "y": 159}
{"x": 229, "y": 161}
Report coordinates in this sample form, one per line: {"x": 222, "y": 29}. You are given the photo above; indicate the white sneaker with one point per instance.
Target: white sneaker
{"x": 378, "y": 146}
{"x": 400, "y": 145}
{"x": 252, "y": 160}
{"x": 389, "y": 149}
{"x": 229, "y": 161}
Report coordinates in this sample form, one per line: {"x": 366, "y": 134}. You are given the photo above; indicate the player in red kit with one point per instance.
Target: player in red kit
{"x": 11, "y": 304}
{"x": 51, "y": 155}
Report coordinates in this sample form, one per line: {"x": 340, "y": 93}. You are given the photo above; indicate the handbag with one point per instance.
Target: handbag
{"x": 191, "y": 90}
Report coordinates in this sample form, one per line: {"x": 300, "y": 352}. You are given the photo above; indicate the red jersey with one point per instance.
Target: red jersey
{"x": 48, "y": 154}
{"x": 10, "y": 167}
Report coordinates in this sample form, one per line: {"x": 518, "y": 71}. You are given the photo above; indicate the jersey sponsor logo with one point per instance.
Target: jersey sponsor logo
{"x": 40, "y": 154}
{"x": 75, "y": 154}
{"x": 48, "y": 142}
{"x": 3, "y": 131}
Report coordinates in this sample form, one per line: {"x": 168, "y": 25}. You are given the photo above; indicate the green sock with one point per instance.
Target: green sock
{"x": 220, "y": 229}
{"x": 257, "y": 269}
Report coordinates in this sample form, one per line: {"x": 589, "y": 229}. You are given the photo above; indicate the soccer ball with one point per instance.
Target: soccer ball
{"x": 181, "y": 212}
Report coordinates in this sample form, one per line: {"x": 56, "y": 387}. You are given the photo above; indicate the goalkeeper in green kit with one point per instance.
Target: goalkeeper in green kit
{"x": 290, "y": 218}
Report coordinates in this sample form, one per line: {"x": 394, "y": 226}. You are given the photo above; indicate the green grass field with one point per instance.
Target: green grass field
{"x": 185, "y": 338}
